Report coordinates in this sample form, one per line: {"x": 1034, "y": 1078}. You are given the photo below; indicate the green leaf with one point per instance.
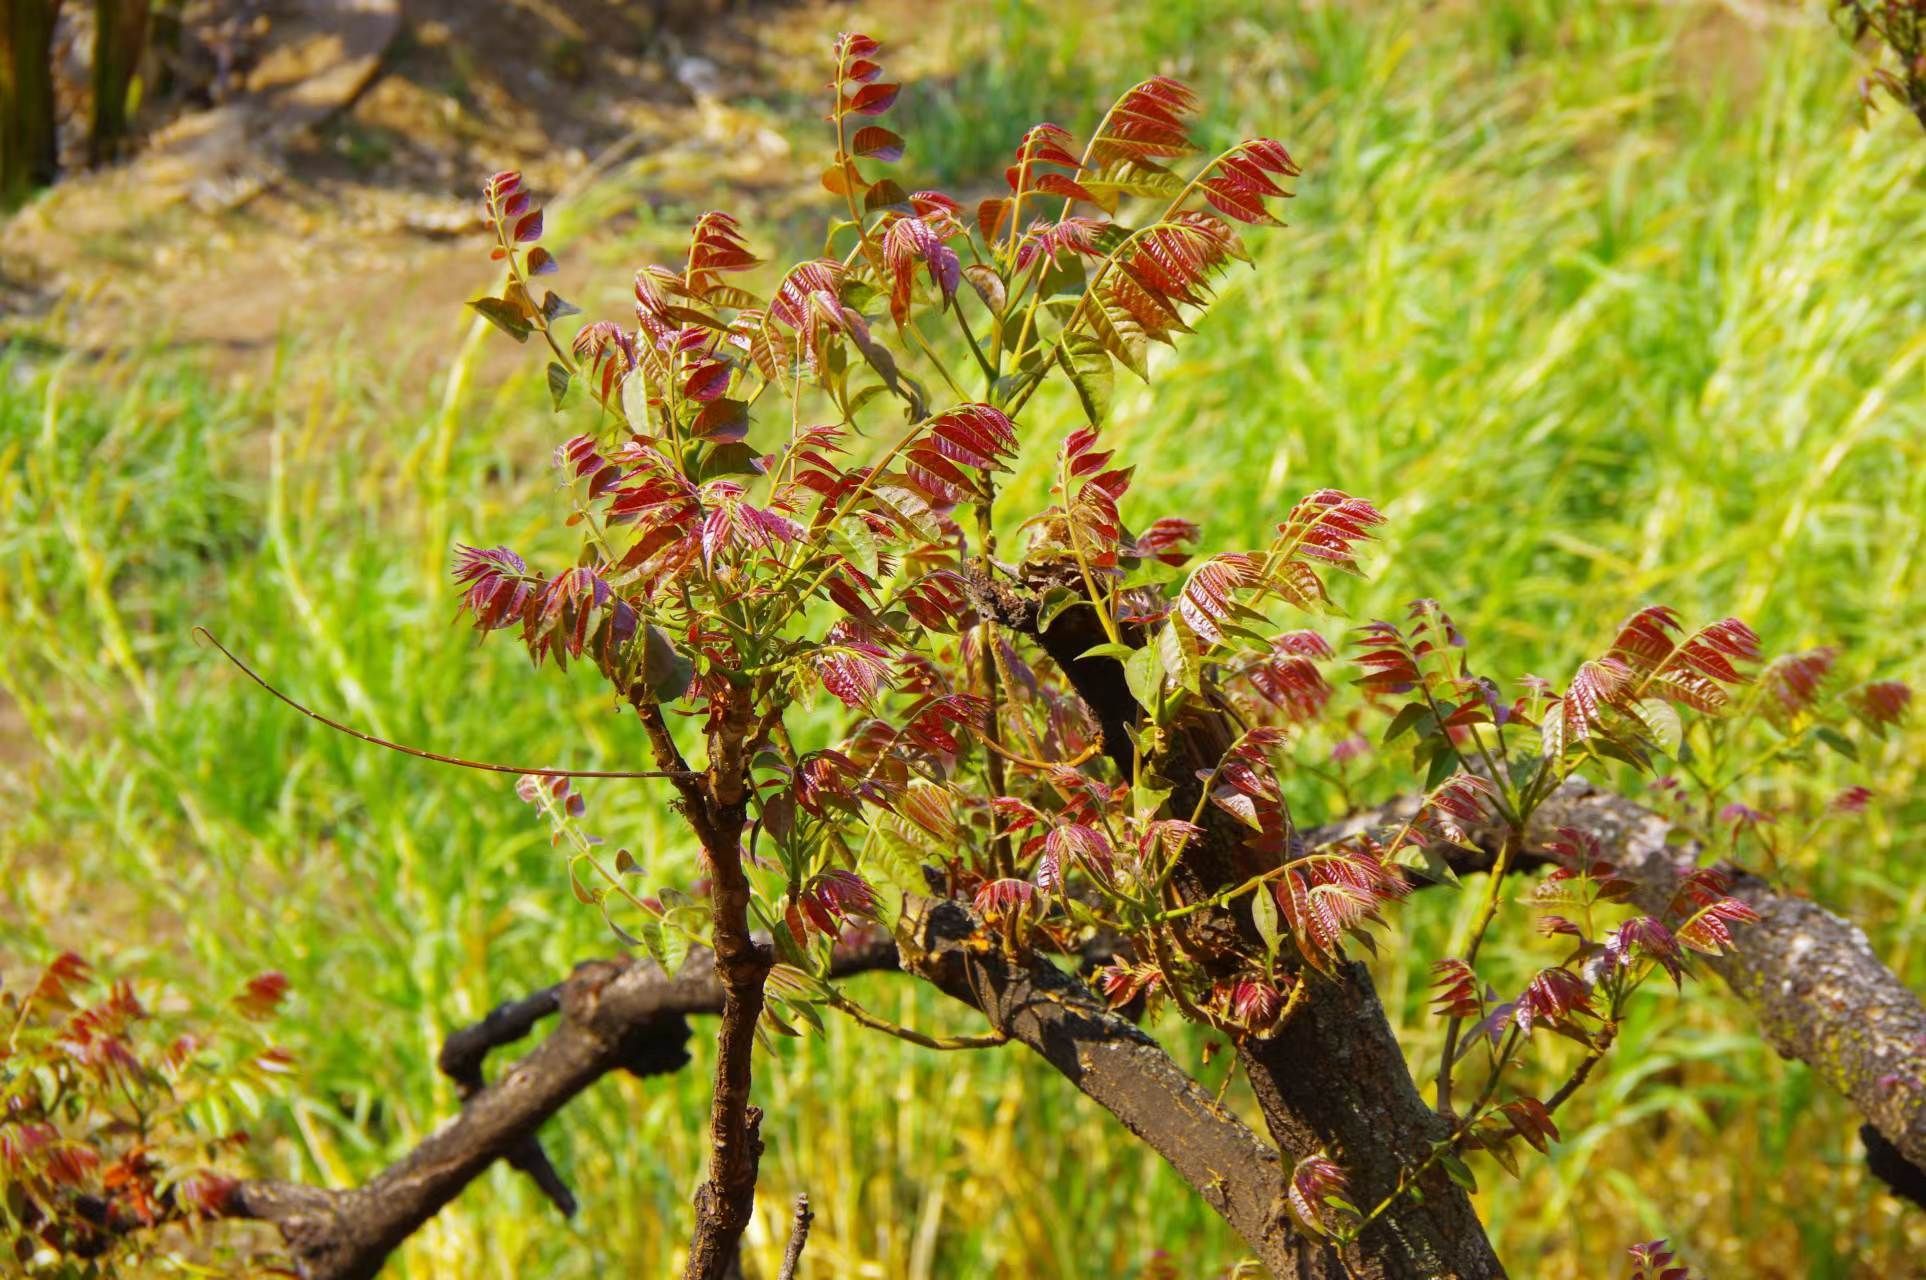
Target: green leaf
{"x": 1458, "y": 1171}
{"x": 1264, "y": 916}
{"x": 1121, "y": 652}
{"x": 1623, "y": 752}
{"x": 635, "y": 400}
{"x": 1837, "y": 741}
{"x": 1055, "y": 601}
{"x": 1178, "y": 648}
{"x": 1660, "y": 720}
{"x": 666, "y": 671}
{"x": 583, "y": 894}
{"x": 1406, "y": 719}
{"x": 858, "y": 544}
{"x": 908, "y": 507}
{"x": 1144, "y": 674}
{"x": 504, "y": 316}
{"x": 1121, "y": 336}
{"x": 886, "y": 194}
{"x": 807, "y": 1012}
{"x": 628, "y": 939}
{"x": 773, "y": 1019}
{"x": 725, "y": 420}
{"x": 730, "y": 458}
{"x": 1148, "y": 796}
{"x": 855, "y": 293}
{"x": 1427, "y": 859}
{"x": 667, "y": 945}
{"x": 1088, "y": 364}
{"x": 1134, "y": 178}
{"x": 558, "y": 380}
{"x": 1443, "y": 765}
{"x": 1063, "y": 276}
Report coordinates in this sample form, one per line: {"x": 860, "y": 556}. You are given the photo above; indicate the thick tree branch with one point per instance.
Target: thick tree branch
{"x": 1820, "y": 992}
{"x": 615, "y": 1015}
{"x": 1117, "y": 1065}
{"x": 1333, "y": 1078}
{"x": 461, "y": 1061}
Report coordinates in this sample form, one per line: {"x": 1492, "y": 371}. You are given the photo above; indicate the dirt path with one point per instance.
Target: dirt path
{"x": 344, "y": 175}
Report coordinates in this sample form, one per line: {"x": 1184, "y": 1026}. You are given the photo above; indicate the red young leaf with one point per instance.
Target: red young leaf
{"x": 1121, "y": 983}
{"x": 1708, "y": 930}
{"x": 833, "y": 898}
{"x": 262, "y": 996}
{"x": 852, "y": 667}
{"x": 873, "y": 99}
{"x": 1532, "y": 1122}
{"x": 999, "y": 899}
{"x": 1316, "y": 1180}
{"x": 1795, "y": 682}
{"x": 853, "y": 44}
{"x": 498, "y": 584}
{"x": 708, "y": 380}
{"x": 1647, "y": 937}
{"x": 877, "y": 143}
{"x": 1554, "y": 996}
{"x": 1148, "y": 121}
{"x": 1653, "y": 1261}
{"x": 1457, "y": 990}
{"x": 1883, "y": 704}
{"x": 908, "y": 241}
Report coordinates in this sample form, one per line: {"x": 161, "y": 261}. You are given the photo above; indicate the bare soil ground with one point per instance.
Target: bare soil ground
{"x": 345, "y": 173}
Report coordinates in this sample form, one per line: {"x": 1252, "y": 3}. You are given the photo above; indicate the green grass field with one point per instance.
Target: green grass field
{"x": 1605, "y": 303}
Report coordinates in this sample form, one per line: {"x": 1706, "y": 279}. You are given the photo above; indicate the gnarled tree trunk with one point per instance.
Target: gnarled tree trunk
{"x": 1332, "y": 1078}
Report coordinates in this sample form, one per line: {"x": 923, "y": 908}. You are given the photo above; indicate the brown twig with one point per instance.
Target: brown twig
{"x": 462, "y": 762}
{"x": 798, "y": 1237}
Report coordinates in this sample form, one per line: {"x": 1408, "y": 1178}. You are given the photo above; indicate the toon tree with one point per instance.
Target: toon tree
{"x": 1056, "y": 786}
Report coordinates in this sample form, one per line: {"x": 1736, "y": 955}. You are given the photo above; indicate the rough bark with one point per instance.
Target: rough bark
{"x": 1332, "y": 1079}
{"x": 1825, "y": 998}
{"x": 798, "y": 1239}
{"x": 1821, "y": 993}
{"x": 1117, "y": 1065}
{"x": 615, "y": 1015}
{"x": 726, "y": 1201}
{"x": 462, "y": 1055}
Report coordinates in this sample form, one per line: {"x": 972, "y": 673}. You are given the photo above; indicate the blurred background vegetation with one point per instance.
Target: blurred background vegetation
{"x": 1605, "y": 302}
